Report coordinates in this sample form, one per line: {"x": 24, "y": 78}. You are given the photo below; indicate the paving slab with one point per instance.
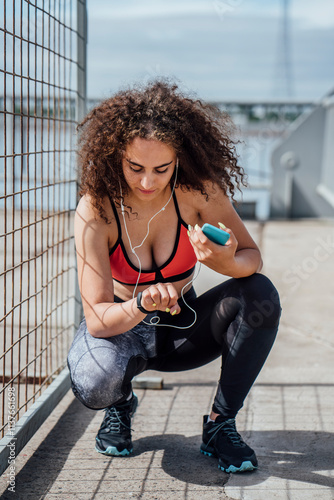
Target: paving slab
{"x": 288, "y": 416}
{"x": 291, "y": 407}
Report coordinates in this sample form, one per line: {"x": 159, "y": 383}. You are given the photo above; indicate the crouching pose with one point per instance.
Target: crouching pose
{"x": 155, "y": 166}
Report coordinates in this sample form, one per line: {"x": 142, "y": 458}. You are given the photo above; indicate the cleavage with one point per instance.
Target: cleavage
{"x": 158, "y": 246}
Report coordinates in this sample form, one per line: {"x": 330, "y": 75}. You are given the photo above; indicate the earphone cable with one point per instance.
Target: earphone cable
{"x": 134, "y": 248}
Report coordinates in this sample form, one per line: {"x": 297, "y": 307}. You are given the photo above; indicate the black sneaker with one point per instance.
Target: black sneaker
{"x": 114, "y": 436}
{"x": 221, "y": 439}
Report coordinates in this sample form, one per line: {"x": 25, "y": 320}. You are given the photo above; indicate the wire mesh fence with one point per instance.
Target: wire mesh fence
{"x": 41, "y": 95}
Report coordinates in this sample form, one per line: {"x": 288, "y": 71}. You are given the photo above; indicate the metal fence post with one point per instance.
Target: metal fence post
{"x": 82, "y": 60}
{"x": 81, "y": 105}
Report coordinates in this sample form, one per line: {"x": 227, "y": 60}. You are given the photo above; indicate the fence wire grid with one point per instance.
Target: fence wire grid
{"x": 40, "y": 95}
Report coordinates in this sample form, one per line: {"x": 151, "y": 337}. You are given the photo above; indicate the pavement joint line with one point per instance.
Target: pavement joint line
{"x": 142, "y": 490}
{"x": 273, "y": 478}
{"x": 293, "y": 384}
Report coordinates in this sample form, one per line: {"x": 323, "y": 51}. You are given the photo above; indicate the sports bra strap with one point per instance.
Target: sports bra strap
{"x": 176, "y": 207}
{"x": 117, "y": 218}
{"x": 118, "y": 221}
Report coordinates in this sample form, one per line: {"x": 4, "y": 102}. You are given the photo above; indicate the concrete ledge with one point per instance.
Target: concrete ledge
{"x": 147, "y": 383}
{"x": 29, "y": 423}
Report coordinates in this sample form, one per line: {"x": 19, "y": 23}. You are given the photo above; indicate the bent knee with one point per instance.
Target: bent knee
{"x": 95, "y": 385}
{"x": 263, "y": 303}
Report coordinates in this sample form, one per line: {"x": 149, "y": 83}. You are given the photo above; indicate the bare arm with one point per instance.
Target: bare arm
{"x": 240, "y": 256}
{"x": 104, "y": 317}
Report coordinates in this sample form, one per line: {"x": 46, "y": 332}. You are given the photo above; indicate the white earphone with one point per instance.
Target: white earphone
{"x": 155, "y": 320}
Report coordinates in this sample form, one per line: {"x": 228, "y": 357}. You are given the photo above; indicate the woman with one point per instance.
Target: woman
{"x": 156, "y": 165}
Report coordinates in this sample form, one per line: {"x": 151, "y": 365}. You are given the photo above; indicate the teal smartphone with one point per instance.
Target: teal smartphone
{"x": 214, "y": 234}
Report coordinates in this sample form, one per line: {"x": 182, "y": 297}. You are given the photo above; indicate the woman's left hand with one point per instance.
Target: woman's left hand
{"x": 220, "y": 258}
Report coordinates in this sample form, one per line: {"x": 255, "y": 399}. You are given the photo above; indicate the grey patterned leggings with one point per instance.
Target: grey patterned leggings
{"x": 237, "y": 320}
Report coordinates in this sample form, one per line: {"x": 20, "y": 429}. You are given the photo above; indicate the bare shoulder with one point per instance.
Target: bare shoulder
{"x": 211, "y": 195}
{"x": 87, "y": 210}
{"x": 188, "y": 201}
{"x": 88, "y": 219}
{"x": 197, "y": 207}
{"x": 215, "y": 194}
{"x": 215, "y": 207}
{"x": 218, "y": 205}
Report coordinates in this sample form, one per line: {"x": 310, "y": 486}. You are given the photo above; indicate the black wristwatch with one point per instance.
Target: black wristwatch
{"x": 139, "y": 306}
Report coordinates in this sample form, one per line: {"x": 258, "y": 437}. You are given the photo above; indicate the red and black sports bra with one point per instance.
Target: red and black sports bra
{"x": 180, "y": 264}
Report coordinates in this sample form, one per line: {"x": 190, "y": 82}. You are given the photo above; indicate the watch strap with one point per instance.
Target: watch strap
{"x": 139, "y": 306}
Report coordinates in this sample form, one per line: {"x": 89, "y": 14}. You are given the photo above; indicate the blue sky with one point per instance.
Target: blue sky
{"x": 221, "y": 49}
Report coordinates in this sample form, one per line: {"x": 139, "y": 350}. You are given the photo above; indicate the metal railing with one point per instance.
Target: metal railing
{"x": 42, "y": 75}
{"x": 261, "y": 125}
{"x": 303, "y": 174}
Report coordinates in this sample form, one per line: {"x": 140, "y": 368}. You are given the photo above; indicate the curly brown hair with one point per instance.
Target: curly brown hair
{"x": 200, "y": 134}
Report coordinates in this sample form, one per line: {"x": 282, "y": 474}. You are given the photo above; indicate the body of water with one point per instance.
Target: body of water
{"x": 42, "y": 171}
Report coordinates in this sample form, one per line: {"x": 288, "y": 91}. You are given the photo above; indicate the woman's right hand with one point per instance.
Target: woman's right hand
{"x": 161, "y": 297}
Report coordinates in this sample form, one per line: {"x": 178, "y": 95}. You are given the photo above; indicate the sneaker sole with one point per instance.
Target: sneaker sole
{"x": 112, "y": 451}
{"x": 207, "y": 453}
{"x": 245, "y": 466}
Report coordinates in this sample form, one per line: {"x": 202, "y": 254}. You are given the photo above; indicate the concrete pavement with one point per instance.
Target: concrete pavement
{"x": 288, "y": 416}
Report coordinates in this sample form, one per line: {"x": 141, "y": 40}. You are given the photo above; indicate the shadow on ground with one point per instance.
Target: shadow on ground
{"x": 182, "y": 459}
{"x": 51, "y": 454}
{"x": 291, "y": 455}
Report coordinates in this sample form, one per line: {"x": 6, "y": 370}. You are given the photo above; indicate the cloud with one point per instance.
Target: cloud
{"x": 313, "y": 15}
{"x": 220, "y": 57}
{"x": 316, "y": 14}
{"x": 149, "y": 9}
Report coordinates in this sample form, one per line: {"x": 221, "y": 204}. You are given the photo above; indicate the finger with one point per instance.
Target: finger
{"x": 197, "y": 251}
{"x": 198, "y": 234}
{"x": 175, "y": 310}
{"x": 172, "y": 293}
{"x": 197, "y": 237}
{"x": 164, "y": 296}
{"x": 203, "y": 257}
{"x": 232, "y": 239}
{"x": 150, "y": 297}
{"x": 155, "y": 295}
{"x": 173, "y": 296}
